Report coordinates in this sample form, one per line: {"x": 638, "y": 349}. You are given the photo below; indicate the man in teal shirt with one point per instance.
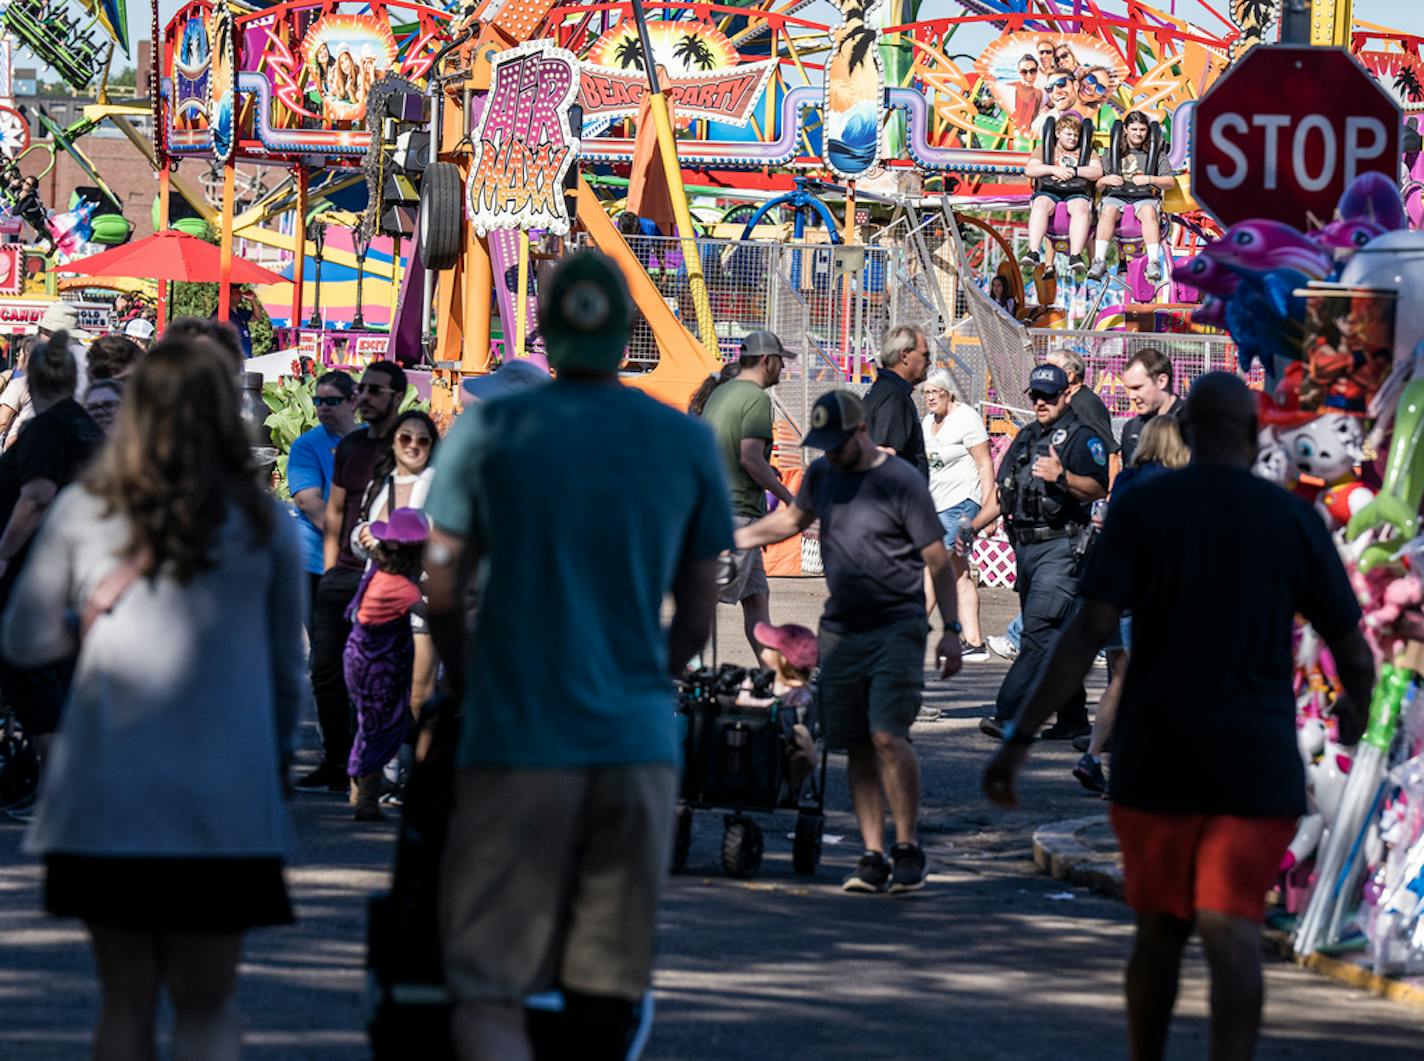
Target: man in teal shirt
{"x": 577, "y": 507}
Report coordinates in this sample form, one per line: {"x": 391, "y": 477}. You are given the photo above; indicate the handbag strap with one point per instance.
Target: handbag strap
{"x": 110, "y": 590}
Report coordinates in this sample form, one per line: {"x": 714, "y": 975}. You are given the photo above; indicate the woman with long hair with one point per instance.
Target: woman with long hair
{"x": 401, "y": 480}
{"x": 1161, "y": 449}
{"x": 999, "y": 293}
{"x": 170, "y": 577}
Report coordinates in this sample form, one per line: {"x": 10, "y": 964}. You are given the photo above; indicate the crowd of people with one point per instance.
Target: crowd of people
{"x": 129, "y": 501}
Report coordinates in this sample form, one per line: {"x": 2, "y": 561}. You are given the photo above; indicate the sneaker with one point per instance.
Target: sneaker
{"x": 1081, "y": 744}
{"x": 1153, "y": 272}
{"x": 972, "y": 653}
{"x": 870, "y": 876}
{"x": 1066, "y": 731}
{"x": 992, "y": 727}
{"x": 1002, "y": 646}
{"x": 1030, "y": 260}
{"x": 1089, "y": 772}
{"x": 909, "y": 872}
{"x": 1101, "y": 659}
{"x": 928, "y": 713}
{"x": 323, "y": 779}
{"x": 1097, "y": 269}
{"x": 1077, "y": 264}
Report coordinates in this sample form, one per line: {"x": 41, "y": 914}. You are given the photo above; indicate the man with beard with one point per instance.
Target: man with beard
{"x": 879, "y": 533}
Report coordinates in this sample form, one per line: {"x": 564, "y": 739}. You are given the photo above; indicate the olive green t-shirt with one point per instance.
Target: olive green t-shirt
{"x": 740, "y": 409}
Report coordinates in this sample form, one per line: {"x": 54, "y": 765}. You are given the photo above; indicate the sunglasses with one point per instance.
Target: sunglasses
{"x": 1092, "y": 80}
{"x": 1027, "y": 71}
{"x": 319, "y": 401}
{"x": 373, "y": 388}
{"x": 418, "y": 441}
{"x": 1039, "y": 396}
{"x": 1062, "y": 82}
{"x": 1045, "y": 51}
{"x": 1063, "y": 55}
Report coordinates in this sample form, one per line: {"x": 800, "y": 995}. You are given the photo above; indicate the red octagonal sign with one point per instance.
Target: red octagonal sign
{"x": 1284, "y": 131}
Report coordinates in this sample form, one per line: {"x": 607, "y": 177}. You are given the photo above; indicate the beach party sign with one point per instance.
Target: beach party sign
{"x": 344, "y": 56}
{"x": 855, "y": 91}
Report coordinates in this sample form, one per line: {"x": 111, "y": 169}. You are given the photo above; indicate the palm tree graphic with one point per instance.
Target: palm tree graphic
{"x": 629, "y": 53}
{"x": 1406, "y": 83}
{"x": 692, "y": 50}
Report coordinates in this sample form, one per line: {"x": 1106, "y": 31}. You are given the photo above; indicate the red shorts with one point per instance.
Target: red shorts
{"x": 1178, "y": 864}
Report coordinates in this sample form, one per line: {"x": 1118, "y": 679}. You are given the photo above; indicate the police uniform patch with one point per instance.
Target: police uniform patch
{"x": 1059, "y": 437}
{"x": 1098, "y": 450}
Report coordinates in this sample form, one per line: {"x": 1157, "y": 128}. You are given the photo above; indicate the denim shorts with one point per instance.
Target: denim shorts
{"x": 950, "y": 517}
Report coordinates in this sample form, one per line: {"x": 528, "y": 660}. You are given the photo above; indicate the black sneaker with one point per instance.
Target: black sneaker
{"x": 992, "y": 727}
{"x": 909, "y": 872}
{"x": 323, "y": 779}
{"x": 1089, "y": 772}
{"x": 1082, "y": 744}
{"x": 973, "y": 653}
{"x": 1066, "y": 731}
{"x": 871, "y": 874}
{"x": 1077, "y": 265}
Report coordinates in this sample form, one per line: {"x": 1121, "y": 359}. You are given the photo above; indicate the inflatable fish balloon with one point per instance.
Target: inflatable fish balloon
{"x": 1209, "y": 275}
{"x": 1349, "y": 234}
{"x": 1211, "y": 313}
{"x": 1261, "y": 246}
{"x": 1373, "y": 197}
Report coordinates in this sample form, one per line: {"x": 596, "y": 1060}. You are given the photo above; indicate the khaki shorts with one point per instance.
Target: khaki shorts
{"x": 871, "y": 681}
{"x": 750, "y": 577}
{"x": 552, "y": 877}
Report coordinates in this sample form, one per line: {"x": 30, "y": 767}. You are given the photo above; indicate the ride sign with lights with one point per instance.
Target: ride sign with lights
{"x": 1283, "y": 132}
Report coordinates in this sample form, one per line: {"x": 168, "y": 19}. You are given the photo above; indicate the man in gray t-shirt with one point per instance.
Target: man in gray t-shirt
{"x": 879, "y": 533}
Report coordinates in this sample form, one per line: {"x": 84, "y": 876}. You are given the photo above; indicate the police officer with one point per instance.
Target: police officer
{"x": 1055, "y": 469}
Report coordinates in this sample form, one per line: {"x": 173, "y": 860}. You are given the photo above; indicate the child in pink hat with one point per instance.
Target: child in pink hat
{"x": 792, "y": 652}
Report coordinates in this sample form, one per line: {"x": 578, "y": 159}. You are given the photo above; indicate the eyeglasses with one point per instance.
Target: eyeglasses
{"x": 417, "y": 441}
{"x": 1060, "y": 82}
{"x": 102, "y": 407}
{"x": 335, "y": 400}
{"x": 373, "y": 388}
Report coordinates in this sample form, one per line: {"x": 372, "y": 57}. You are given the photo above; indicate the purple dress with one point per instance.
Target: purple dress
{"x": 378, "y": 663}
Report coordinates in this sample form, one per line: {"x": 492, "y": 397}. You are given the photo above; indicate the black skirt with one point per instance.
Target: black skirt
{"x": 168, "y": 894}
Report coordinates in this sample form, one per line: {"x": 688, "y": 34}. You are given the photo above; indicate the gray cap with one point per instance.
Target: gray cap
{"x": 510, "y": 377}
{"x": 762, "y": 344}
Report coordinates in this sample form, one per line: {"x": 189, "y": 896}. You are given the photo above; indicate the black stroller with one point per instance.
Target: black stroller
{"x": 735, "y": 760}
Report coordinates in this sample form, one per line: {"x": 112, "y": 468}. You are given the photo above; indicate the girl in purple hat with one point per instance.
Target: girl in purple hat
{"x": 380, "y": 653}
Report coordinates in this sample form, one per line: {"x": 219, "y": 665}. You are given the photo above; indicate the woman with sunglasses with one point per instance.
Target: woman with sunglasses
{"x": 1094, "y": 89}
{"x": 1022, "y": 100}
{"x": 402, "y": 480}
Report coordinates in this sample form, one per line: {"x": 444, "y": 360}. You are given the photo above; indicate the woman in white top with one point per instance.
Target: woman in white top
{"x": 172, "y": 580}
{"x": 402, "y": 480}
{"x": 961, "y": 477}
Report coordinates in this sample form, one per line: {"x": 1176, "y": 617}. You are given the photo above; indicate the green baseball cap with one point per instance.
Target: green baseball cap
{"x": 585, "y": 314}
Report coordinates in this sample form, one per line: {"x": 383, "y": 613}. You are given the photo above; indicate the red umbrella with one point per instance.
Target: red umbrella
{"x": 171, "y": 255}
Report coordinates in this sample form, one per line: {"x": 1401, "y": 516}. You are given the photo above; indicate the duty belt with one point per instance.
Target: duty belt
{"x": 1036, "y": 535}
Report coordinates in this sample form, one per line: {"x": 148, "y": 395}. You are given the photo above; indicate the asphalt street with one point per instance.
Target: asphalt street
{"x": 991, "y": 960}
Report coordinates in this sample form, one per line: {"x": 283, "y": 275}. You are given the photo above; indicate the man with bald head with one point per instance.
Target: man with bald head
{"x": 1207, "y": 784}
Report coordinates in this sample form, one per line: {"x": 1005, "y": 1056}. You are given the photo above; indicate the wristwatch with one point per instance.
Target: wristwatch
{"x": 1013, "y": 735}
{"x": 1062, "y": 480}
{"x": 953, "y": 628}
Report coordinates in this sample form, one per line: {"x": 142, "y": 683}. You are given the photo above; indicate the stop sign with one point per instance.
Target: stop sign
{"x": 1284, "y": 131}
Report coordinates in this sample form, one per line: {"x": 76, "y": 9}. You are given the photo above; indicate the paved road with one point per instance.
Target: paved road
{"x": 990, "y": 961}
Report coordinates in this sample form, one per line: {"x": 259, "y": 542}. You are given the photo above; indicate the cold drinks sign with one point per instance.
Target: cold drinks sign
{"x": 1284, "y": 131}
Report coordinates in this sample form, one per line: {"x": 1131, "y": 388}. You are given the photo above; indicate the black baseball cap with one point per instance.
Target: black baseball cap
{"x": 1047, "y": 379}
{"x": 834, "y": 418}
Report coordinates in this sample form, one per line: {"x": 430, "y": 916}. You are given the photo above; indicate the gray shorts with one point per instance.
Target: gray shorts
{"x": 871, "y": 682}
{"x": 1124, "y": 205}
{"x": 749, "y": 579}
{"x": 552, "y": 877}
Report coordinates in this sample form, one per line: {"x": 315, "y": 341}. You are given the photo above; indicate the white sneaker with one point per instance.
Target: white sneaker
{"x": 1002, "y": 646}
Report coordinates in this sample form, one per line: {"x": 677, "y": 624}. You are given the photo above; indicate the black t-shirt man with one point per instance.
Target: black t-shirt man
{"x": 873, "y": 526}
{"x": 893, "y": 420}
{"x": 1090, "y": 410}
{"x": 1214, "y": 563}
{"x": 1132, "y": 430}
{"x": 353, "y": 466}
